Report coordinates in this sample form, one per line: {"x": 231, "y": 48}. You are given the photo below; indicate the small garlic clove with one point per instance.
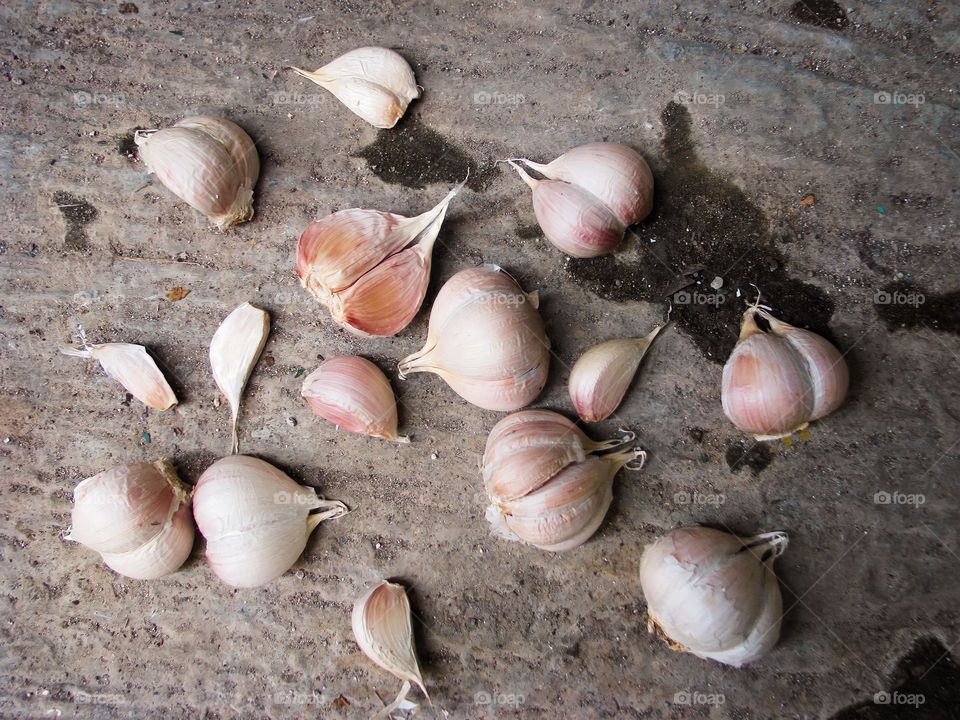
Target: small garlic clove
{"x": 132, "y": 367}
{"x": 353, "y": 393}
{"x": 601, "y": 376}
{"x": 382, "y": 626}
{"x": 375, "y": 83}
{"x": 234, "y": 350}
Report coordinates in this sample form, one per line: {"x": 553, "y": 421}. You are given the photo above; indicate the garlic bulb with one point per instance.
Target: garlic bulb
{"x": 545, "y": 484}
{"x": 713, "y": 594}
{"x": 353, "y": 393}
{"x": 370, "y": 268}
{"x": 132, "y": 367}
{"x": 589, "y": 196}
{"x": 383, "y": 629}
{"x": 255, "y": 519}
{"x": 137, "y": 517}
{"x": 600, "y": 378}
{"x": 777, "y": 381}
{"x": 208, "y": 162}
{"x": 373, "y": 82}
{"x": 486, "y": 340}
{"x": 234, "y": 350}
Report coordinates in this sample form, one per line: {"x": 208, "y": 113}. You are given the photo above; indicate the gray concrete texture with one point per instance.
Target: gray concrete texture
{"x": 777, "y": 163}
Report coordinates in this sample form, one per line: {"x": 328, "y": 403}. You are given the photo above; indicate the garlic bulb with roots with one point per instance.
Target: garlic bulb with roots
{"x": 486, "y": 340}
{"x": 546, "y": 484}
{"x": 255, "y": 519}
{"x": 713, "y": 594}
{"x": 779, "y": 378}
{"x": 208, "y": 162}
{"x": 375, "y": 83}
{"x": 371, "y": 268}
{"x": 137, "y": 517}
{"x": 354, "y": 394}
{"x": 589, "y": 196}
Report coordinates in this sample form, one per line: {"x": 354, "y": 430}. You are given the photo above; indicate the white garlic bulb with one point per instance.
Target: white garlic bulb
{"x": 137, "y": 517}
{"x": 371, "y": 268}
{"x": 255, "y": 519}
{"x": 486, "y": 340}
{"x": 546, "y": 486}
{"x": 713, "y": 594}
{"x": 600, "y": 377}
{"x": 373, "y": 82}
{"x": 776, "y": 381}
{"x": 354, "y": 394}
{"x": 589, "y": 196}
{"x": 208, "y": 162}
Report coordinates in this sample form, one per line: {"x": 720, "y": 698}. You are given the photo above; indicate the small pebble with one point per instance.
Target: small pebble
{"x": 433, "y": 456}
{"x": 717, "y": 283}
{"x": 300, "y": 574}
{"x": 292, "y": 421}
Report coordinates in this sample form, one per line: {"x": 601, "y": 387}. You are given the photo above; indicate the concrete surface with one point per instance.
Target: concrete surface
{"x": 744, "y": 111}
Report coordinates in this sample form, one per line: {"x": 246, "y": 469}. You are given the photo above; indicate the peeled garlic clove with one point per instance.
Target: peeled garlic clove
{"x": 370, "y": 268}
{"x": 600, "y": 378}
{"x": 486, "y": 340}
{"x": 384, "y": 631}
{"x": 353, "y": 393}
{"x": 373, "y": 82}
{"x": 713, "y": 594}
{"x": 255, "y": 519}
{"x": 234, "y": 350}
{"x": 615, "y": 174}
{"x": 137, "y": 517}
{"x": 208, "y": 162}
{"x": 132, "y": 367}
{"x": 572, "y": 219}
{"x": 776, "y": 382}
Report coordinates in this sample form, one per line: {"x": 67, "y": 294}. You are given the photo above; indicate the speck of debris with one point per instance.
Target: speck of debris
{"x": 717, "y": 283}
{"x": 292, "y": 421}
{"x": 128, "y": 8}
{"x": 145, "y": 436}
{"x": 808, "y": 200}
{"x": 300, "y": 371}
{"x": 434, "y": 456}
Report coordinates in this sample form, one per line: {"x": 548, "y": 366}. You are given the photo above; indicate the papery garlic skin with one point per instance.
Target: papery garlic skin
{"x": 354, "y": 394}
{"x": 486, "y": 340}
{"x": 255, "y": 519}
{"x": 375, "y": 83}
{"x": 775, "y": 383}
{"x": 131, "y": 366}
{"x": 234, "y": 351}
{"x": 713, "y": 594}
{"x": 371, "y": 268}
{"x": 601, "y": 376}
{"x": 137, "y": 517}
{"x": 208, "y": 162}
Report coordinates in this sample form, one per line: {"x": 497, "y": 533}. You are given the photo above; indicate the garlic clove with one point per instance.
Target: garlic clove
{"x": 382, "y": 626}
{"x": 208, "y": 162}
{"x": 353, "y": 393}
{"x": 375, "y": 83}
{"x": 160, "y": 556}
{"x": 234, "y": 350}
{"x": 132, "y": 367}
{"x": 601, "y": 376}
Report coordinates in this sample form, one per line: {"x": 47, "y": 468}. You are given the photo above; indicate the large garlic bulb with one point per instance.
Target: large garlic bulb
{"x": 137, "y": 517}
{"x": 777, "y": 381}
{"x": 486, "y": 340}
{"x": 713, "y": 594}
{"x": 255, "y": 519}
{"x": 589, "y": 196}
{"x": 546, "y": 485}
{"x": 208, "y": 162}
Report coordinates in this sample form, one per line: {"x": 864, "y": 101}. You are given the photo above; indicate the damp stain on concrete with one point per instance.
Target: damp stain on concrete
{"x": 756, "y": 456}
{"x": 903, "y": 306}
{"x": 822, "y": 13}
{"x": 77, "y": 214}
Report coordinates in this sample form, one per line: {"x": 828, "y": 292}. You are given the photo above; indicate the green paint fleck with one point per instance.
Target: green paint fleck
{"x": 300, "y": 371}
{"x": 146, "y": 436}
{"x": 882, "y": 210}
{"x": 178, "y": 33}
{"x": 704, "y": 458}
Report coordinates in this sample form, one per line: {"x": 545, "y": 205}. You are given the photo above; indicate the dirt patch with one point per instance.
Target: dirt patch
{"x": 909, "y": 306}
{"x": 77, "y": 214}
{"x": 756, "y": 457}
{"x": 822, "y": 13}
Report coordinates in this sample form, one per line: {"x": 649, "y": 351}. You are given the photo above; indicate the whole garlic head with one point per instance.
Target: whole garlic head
{"x": 137, "y": 517}
{"x": 713, "y": 594}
